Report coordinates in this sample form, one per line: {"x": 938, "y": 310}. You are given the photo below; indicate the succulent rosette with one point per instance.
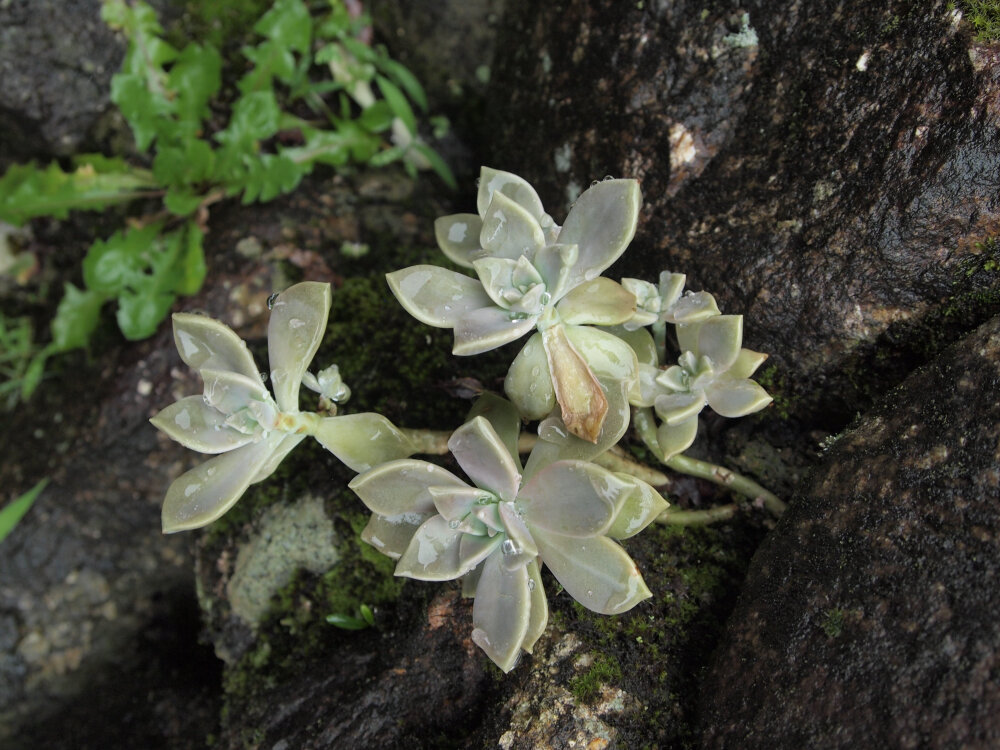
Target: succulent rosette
{"x": 238, "y": 419}
{"x": 495, "y": 530}
{"x": 713, "y": 369}
{"x": 533, "y": 275}
{"x": 665, "y": 303}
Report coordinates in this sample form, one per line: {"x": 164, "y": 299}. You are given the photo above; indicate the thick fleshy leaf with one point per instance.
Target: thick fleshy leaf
{"x": 648, "y": 388}
{"x": 209, "y": 344}
{"x": 196, "y": 425}
{"x": 297, "y": 326}
{"x": 675, "y": 408}
{"x": 687, "y": 336}
{"x": 581, "y": 398}
{"x": 510, "y": 282}
{"x": 518, "y": 549}
{"x": 671, "y": 286}
{"x": 432, "y": 554}
{"x": 286, "y": 446}
{"x": 554, "y": 263}
{"x": 437, "y": 296}
{"x": 600, "y": 302}
{"x": 608, "y": 356}
{"x": 746, "y": 364}
{"x": 516, "y": 188}
{"x": 503, "y": 417}
{"x": 455, "y": 503}
{"x": 485, "y": 459}
{"x": 228, "y": 391}
{"x": 509, "y": 230}
{"x": 572, "y": 498}
{"x": 539, "y": 615}
{"x": 473, "y": 549}
{"x": 641, "y": 342}
{"x": 602, "y": 222}
{"x": 676, "y": 438}
{"x": 641, "y": 507}
{"x": 529, "y": 382}
{"x": 399, "y": 487}
{"x": 391, "y": 535}
{"x": 736, "y": 397}
{"x": 488, "y": 328}
{"x": 201, "y": 495}
{"x": 720, "y": 339}
{"x": 458, "y": 237}
{"x": 692, "y": 308}
{"x": 595, "y": 571}
{"x": 501, "y": 614}
{"x": 470, "y": 581}
{"x": 364, "y": 440}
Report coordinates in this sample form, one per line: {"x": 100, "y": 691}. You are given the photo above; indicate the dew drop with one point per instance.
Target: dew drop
{"x": 531, "y": 584}
{"x": 271, "y": 299}
{"x": 454, "y": 524}
{"x": 536, "y": 371}
{"x": 263, "y": 376}
{"x": 591, "y": 273}
{"x": 508, "y": 547}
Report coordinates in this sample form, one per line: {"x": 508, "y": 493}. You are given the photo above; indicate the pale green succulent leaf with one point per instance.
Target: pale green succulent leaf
{"x": 209, "y": 344}
{"x": 284, "y": 447}
{"x": 641, "y": 507}
{"x": 510, "y": 185}
{"x": 572, "y": 498}
{"x": 671, "y": 287}
{"x": 433, "y": 553}
{"x": 676, "y": 438}
{"x": 736, "y": 397}
{"x": 555, "y": 263}
{"x": 687, "y": 336}
{"x": 198, "y": 426}
{"x": 488, "y": 328}
{"x": 391, "y": 535}
{"x": 720, "y": 339}
{"x": 470, "y": 581}
{"x": 595, "y": 571}
{"x": 648, "y": 388}
{"x": 600, "y": 302}
{"x": 529, "y": 382}
{"x": 297, "y": 326}
{"x": 641, "y": 342}
{"x": 399, "y": 487}
{"x": 437, "y": 296}
{"x": 503, "y": 417}
{"x": 509, "y": 230}
{"x": 674, "y": 408}
{"x": 362, "y": 441}
{"x": 228, "y": 391}
{"x": 455, "y": 503}
{"x": 539, "y": 613}
{"x": 203, "y": 494}
{"x": 458, "y": 237}
{"x": 518, "y": 549}
{"x": 473, "y": 549}
{"x": 485, "y": 459}
{"x": 692, "y": 308}
{"x": 501, "y": 614}
{"x": 602, "y": 222}
{"x": 746, "y": 363}
{"x": 497, "y": 277}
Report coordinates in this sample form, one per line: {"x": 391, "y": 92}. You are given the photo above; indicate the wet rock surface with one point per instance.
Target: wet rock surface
{"x": 869, "y": 615}
{"x": 826, "y": 170}
{"x": 56, "y": 63}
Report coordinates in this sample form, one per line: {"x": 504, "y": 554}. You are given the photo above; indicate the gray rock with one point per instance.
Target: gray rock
{"x": 56, "y": 63}
{"x": 824, "y": 169}
{"x": 869, "y": 616}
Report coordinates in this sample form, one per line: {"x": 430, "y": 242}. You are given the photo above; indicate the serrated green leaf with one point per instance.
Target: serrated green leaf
{"x": 255, "y": 116}
{"x": 270, "y": 175}
{"x": 140, "y": 312}
{"x": 76, "y": 318}
{"x": 111, "y": 265}
{"x": 376, "y": 118}
{"x": 181, "y": 202}
{"x": 397, "y": 102}
{"x": 196, "y": 77}
{"x": 288, "y": 23}
{"x": 271, "y": 60}
{"x": 27, "y": 191}
{"x": 388, "y": 156}
{"x": 192, "y": 262}
{"x": 14, "y": 511}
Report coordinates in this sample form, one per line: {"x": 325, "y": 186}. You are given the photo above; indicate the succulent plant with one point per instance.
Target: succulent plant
{"x": 712, "y": 369}
{"x": 536, "y": 276}
{"x": 665, "y": 303}
{"x": 495, "y": 532}
{"x": 237, "y": 418}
